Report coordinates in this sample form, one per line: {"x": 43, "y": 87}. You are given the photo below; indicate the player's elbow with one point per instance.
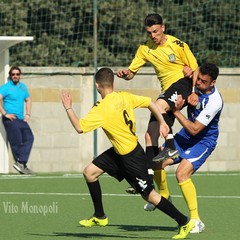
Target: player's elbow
{"x": 195, "y": 128}
{"x": 194, "y": 132}
{"x": 77, "y": 128}
{"x": 79, "y": 131}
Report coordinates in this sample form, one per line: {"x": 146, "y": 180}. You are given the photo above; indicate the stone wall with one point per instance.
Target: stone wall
{"x": 58, "y": 148}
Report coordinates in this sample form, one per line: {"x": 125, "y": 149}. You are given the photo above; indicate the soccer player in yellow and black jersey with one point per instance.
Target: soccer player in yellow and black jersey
{"x": 174, "y": 64}
{"x": 126, "y": 158}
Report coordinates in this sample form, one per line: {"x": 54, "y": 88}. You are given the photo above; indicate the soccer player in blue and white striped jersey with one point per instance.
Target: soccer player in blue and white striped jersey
{"x": 197, "y": 139}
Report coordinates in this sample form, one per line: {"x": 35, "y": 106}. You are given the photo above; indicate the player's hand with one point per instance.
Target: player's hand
{"x": 193, "y": 99}
{"x": 66, "y": 100}
{"x": 187, "y": 71}
{"x": 125, "y": 74}
{"x": 26, "y": 117}
{"x": 122, "y": 73}
{"x": 10, "y": 116}
{"x": 179, "y": 103}
{"x": 164, "y": 130}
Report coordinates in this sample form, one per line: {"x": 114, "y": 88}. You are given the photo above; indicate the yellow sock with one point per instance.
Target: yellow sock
{"x": 160, "y": 179}
{"x": 190, "y": 195}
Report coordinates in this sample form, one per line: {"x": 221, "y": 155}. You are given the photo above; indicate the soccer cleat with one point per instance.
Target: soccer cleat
{"x": 166, "y": 153}
{"x": 150, "y": 207}
{"x": 94, "y": 221}
{"x": 199, "y": 226}
{"x": 131, "y": 190}
{"x": 184, "y": 230}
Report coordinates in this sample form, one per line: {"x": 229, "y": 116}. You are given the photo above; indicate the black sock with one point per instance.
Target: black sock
{"x": 96, "y": 195}
{"x": 168, "y": 208}
{"x": 169, "y": 143}
{"x": 151, "y": 152}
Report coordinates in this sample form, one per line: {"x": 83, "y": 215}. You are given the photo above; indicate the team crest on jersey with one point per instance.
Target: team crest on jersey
{"x": 198, "y": 105}
{"x": 172, "y": 57}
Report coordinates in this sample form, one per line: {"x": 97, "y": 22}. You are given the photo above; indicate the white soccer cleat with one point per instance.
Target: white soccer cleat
{"x": 199, "y": 226}
{"x": 149, "y": 207}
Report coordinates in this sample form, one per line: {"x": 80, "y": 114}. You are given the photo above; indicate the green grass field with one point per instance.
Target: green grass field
{"x": 50, "y": 207}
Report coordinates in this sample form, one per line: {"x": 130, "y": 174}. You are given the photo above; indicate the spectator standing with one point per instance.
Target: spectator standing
{"x": 14, "y": 96}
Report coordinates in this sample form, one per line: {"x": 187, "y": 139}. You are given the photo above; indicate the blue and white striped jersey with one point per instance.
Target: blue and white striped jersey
{"x": 207, "y": 112}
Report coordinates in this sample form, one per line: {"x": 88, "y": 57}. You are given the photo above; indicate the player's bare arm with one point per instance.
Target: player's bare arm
{"x": 126, "y": 74}
{"x": 28, "y": 106}
{"x": 67, "y": 104}
{"x": 192, "y": 127}
{"x": 188, "y": 72}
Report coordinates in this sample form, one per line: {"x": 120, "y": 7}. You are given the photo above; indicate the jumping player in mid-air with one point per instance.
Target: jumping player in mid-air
{"x": 174, "y": 64}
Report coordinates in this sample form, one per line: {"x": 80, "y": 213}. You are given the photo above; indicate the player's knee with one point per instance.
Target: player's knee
{"x": 85, "y": 173}
{"x": 163, "y": 104}
{"x": 88, "y": 174}
{"x": 181, "y": 176}
{"x": 153, "y": 197}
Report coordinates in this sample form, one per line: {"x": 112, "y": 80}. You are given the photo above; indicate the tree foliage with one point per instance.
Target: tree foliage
{"x": 63, "y": 30}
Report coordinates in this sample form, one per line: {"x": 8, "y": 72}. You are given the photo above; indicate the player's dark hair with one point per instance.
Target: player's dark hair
{"x": 209, "y": 69}
{"x": 105, "y": 77}
{"x": 11, "y": 70}
{"x": 153, "y": 19}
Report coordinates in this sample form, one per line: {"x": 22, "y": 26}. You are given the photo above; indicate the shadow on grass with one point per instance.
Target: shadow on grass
{"x": 128, "y": 232}
{"x": 143, "y": 228}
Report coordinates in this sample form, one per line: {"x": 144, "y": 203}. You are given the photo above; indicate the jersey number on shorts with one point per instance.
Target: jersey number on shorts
{"x": 128, "y": 121}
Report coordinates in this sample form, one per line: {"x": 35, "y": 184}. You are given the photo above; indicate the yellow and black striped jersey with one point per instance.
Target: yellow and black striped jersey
{"x": 115, "y": 115}
{"x": 168, "y": 60}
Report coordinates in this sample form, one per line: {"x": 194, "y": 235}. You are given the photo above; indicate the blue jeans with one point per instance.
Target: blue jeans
{"x": 20, "y": 138}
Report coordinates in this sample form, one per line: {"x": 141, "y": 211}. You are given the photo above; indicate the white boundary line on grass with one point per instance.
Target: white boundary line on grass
{"x": 106, "y": 194}
{"x": 26, "y": 177}
{"x": 17, "y": 176}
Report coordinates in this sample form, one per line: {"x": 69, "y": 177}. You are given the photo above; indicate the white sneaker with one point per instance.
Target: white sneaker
{"x": 199, "y": 226}
{"x": 149, "y": 207}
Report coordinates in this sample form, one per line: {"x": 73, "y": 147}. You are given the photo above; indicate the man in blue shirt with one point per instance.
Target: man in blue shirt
{"x": 196, "y": 140}
{"x": 13, "y": 96}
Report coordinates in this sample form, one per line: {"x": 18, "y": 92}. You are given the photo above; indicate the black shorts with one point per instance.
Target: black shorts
{"x": 181, "y": 87}
{"x": 132, "y": 167}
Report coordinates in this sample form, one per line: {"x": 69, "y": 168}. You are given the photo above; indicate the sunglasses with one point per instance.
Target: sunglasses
{"x": 13, "y": 74}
